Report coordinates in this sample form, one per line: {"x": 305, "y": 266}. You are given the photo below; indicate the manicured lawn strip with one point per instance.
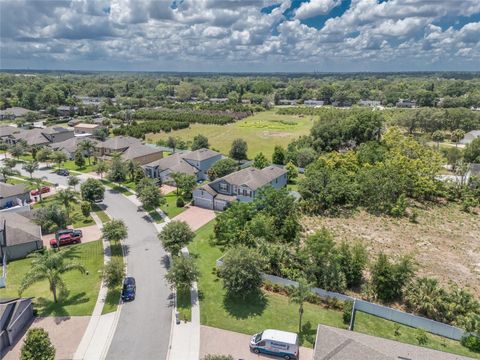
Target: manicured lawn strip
{"x": 372, "y": 325}
{"x": 113, "y": 295}
{"x": 252, "y": 315}
{"x": 27, "y": 181}
{"x": 100, "y": 213}
{"x": 117, "y": 187}
{"x": 82, "y": 289}
{"x": 26, "y": 157}
{"x": 170, "y": 207}
{"x": 77, "y": 219}
{"x": 70, "y": 165}
{"x": 155, "y": 216}
{"x": 184, "y": 305}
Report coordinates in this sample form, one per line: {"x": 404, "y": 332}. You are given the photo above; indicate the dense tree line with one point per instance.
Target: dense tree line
{"x": 139, "y": 130}
{"x": 191, "y": 116}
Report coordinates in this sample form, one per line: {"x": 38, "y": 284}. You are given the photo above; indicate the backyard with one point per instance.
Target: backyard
{"x": 82, "y": 288}
{"x": 262, "y": 131}
{"x": 275, "y": 311}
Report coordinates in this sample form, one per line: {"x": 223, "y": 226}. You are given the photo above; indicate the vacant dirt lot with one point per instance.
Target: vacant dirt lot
{"x": 445, "y": 242}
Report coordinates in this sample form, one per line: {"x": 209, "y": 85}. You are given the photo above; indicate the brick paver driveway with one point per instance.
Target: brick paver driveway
{"x": 196, "y": 217}
{"x": 64, "y": 332}
{"x": 90, "y": 233}
{"x": 167, "y": 189}
{"x": 222, "y": 342}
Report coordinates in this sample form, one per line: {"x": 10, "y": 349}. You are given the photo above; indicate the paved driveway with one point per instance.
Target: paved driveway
{"x": 167, "y": 189}
{"x": 143, "y": 330}
{"x": 222, "y": 342}
{"x": 196, "y": 217}
{"x": 90, "y": 233}
{"x": 64, "y": 332}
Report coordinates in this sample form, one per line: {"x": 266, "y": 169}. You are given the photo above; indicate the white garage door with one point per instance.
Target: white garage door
{"x": 203, "y": 203}
{"x": 220, "y": 204}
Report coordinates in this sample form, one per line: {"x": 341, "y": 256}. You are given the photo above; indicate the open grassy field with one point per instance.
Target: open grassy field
{"x": 262, "y": 131}
{"x": 276, "y": 311}
{"x": 444, "y": 241}
{"x": 82, "y": 289}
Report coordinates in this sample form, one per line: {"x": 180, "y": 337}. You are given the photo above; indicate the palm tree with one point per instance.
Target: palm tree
{"x": 6, "y": 171}
{"x": 66, "y": 197}
{"x": 101, "y": 168}
{"x": 48, "y": 265}
{"x": 298, "y": 295}
{"x": 457, "y": 135}
{"x": 30, "y": 167}
{"x": 87, "y": 145}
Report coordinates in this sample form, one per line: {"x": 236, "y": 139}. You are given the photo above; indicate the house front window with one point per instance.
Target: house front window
{"x": 223, "y": 187}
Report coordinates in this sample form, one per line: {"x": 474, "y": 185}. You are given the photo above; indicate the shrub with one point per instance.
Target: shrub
{"x": 85, "y": 207}
{"x": 180, "y": 202}
{"x": 347, "y": 312}
{"x": 471, "y": 342}
{"x": 421, "y": 336}
{"x": 37, "y": 346}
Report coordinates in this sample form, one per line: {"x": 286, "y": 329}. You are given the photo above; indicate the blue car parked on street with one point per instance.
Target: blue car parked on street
{"x": 128, "y": 289}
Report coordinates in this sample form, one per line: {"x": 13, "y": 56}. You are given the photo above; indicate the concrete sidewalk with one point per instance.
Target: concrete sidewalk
{"x": 98, "y": 335}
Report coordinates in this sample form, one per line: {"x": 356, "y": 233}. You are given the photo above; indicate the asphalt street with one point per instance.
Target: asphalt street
{"x": 143, "y": 329}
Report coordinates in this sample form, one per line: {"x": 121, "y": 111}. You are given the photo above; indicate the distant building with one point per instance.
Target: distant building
{"x": 13, "y": 112}
{"x": 39, "y": 137}
{"x": 342, "y": 104}
{"x": 130, "y": 148}
{"x": 69, "y": 146}
{"x": 470, "y": 136}
{"x": 241, "y": 185}
{"x": 90, "y": 100}
{"x": 12, "y": 196}
{"x": 403, "y": 103}
{"x": 314, "y": 103}
{"x": 64, "y": 110}
{"x": 19, "y": 235}
{"x": 370, "y": 103}
{"x": 218, "y": 100}
{"x": 287, "y": 102}
{"x": 83, "y": 128}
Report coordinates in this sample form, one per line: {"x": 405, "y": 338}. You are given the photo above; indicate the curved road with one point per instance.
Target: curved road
{"x": 143, "y": 330}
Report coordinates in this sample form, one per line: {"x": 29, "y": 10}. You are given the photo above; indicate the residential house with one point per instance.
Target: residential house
{"x": 342, "y": 103}
{"x": 39, "y": 137}
{"x": 338, "y": 344}
{"x": 83, "y": 128}
{"x": 287, "y": 102}
{"x": 13, "y": 113}
{"x": 6, "y": 131}
{"x": 370, "y": 103}
{"x": 64, "y": 110}
{"x": 242, "y": 185}
{"x": 13, "y": 195}
{"x": 15, "y": 316}
{"x": 69, "y": 146}
{"x": 130, "y": 148}
{"x": 404, "y": 103}
{"x": 218, "y": 100}
{"x": 470, "y": 136}
{"x": 195, "y": 163}
{"x": 314, "y": 103}
{"x": 19, "y": 235}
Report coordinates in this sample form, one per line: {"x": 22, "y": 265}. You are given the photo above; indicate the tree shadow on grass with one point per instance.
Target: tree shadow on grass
{"x": 308, "y": 333}
{"x": 252, "y": 305}
{"x": 46, "y": 307}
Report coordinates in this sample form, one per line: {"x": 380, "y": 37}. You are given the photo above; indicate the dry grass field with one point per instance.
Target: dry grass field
{"x": 445, "y": 242}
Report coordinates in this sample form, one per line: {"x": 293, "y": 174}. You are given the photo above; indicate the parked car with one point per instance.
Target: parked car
{"x": 277, "y": 343}
{"x": 63, "y": 172}
{"x": 43, "y": 190}
{"x": 128, "y": 289}
{"x": 66, "y": 238}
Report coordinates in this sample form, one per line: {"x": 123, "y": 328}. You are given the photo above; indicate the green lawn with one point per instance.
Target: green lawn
{"x": 27, "y": 181}
{"x": 170, "y": 207}
{"x": 82, "y": 289}
{"x": 120, "y": 188}
{"x": 372, "y": 325}
{"x": 70, "y": 165}
{"x": 100, "y": 213}
{"x": 77, "y": 219}
{"x": 184, "y": 305}
{"x": 155, "y": 215}
{"x": 262, "y": 131}
{"x": 113, "y": 294}
{"x": 275, "y": 311}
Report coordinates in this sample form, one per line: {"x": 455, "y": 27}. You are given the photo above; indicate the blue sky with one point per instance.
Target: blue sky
{"x": 241, "y": 35}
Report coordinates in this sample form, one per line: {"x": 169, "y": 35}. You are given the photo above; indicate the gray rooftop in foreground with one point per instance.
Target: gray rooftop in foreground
{"x": 337, "y": 344}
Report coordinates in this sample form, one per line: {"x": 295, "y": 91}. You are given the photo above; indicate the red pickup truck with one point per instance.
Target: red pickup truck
{"x": 43, "y": 190}
{"x": 66, "y": 237}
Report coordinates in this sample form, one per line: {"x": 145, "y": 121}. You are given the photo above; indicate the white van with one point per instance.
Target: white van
{"x": 275, "y": 342}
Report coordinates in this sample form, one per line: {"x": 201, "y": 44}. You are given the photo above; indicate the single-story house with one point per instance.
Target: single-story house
{"x": 83, "y": 128}
{"x": 404, "y": 103}
{"x": 13, "y": 112}
{"x": 195, "y": 163}
{"x": 15, "y": 316}
{"x": 314, "y": 103}
{"x": 338, "y": 344}
{"x": 117, "y": 144}
{"x": 130, "y": 148}
{"x": 6, "y": 131}
{"x": 470, "y": 136}
{"x": 287, "y": 102}
{"x": 40, "y": 137}
{"x": 19, "y": 235}
{"x": 69, "y": 146}
{"x": 142, "y": 154}
{"x": 241, "y": 185}
{"x": 13, "y": 195}
{"x": 64, "y": 110}
{"x": 370, "y": 103}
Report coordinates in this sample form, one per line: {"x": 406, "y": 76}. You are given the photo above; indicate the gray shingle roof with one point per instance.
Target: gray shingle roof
{"x": 200, "y": 154}
{"x": 254, "y": 178}
{"x": 20, "y": 229}
{"x": 136, "y": 150}
{"x": 17, "y": 111}
{"x": 175, "y": 163}
{"x": 6, "y": 130}
{"x": 70, "y": 145}
{"x": 119, "y": 142}
{"x": 8, "y": 190}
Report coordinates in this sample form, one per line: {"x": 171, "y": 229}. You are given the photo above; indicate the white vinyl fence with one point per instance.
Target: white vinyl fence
{"x": 384, "y": 312}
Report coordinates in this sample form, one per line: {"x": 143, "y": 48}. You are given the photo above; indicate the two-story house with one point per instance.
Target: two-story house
{"x": 130, "y": 148}
{"x": 39, "y": 137}
{"x": 242, "y": 185}
{"x": 195, "y": 163}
